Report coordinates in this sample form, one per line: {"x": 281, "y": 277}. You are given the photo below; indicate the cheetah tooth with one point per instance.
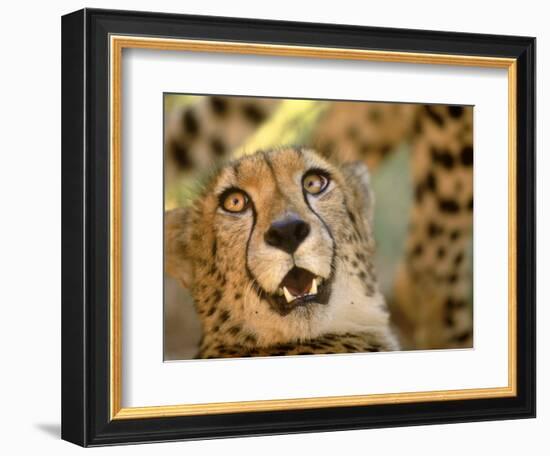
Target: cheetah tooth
{"x": 288, "y": 295}
{"x": 313, "y": 289}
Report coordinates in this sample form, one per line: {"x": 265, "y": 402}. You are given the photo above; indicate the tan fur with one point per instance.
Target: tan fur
{"x": 433, "y": 272}
{"x": 229, "y": 260}
{"x": 430, "y": 292}
{"x": 430, "y": 295}
{"x": 199, "y": 136}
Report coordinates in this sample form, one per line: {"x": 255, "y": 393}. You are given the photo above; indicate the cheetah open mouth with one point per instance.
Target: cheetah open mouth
{"x": 299, "y": 284}
{"x": 300, "y": 287}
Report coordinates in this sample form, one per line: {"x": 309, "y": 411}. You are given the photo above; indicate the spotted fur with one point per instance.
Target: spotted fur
{"x": 431, "y": 290}
{"x": 431, "y": 293}
{"x": 234, "y": 274}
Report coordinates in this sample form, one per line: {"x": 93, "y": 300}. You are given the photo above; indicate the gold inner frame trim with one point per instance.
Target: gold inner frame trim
{"x": 117, "y": 44}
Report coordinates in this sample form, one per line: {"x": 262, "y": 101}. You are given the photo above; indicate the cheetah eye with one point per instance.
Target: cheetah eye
{"x": 235, "y": 201}
{"x": 315, "y": 182}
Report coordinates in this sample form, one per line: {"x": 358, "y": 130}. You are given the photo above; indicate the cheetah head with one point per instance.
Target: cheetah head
{"x": 279, "y": 248}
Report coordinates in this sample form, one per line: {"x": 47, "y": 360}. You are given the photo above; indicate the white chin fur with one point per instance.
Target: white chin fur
{"x": 350, "y": 310}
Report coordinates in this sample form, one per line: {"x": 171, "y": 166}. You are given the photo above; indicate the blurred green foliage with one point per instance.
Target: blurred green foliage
{"x": 392, "y": 189}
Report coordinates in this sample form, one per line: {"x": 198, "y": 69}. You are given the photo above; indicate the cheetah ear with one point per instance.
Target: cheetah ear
{"x": 358, "y": 178}
{"x": 177, "y": 237}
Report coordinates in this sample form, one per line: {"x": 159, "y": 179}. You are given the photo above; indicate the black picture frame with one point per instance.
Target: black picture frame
{"x": 85, "y": 227}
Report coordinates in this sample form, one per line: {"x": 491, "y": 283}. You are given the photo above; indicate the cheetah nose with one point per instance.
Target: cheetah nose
{"x": 287, "y": 234}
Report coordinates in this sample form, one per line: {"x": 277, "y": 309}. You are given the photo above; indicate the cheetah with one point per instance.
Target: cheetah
{"x": 277, "y": 253}
{"x": 430, "y": 301}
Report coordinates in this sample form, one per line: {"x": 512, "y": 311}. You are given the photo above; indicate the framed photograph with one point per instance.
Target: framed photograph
{"x": 278, "y": 227}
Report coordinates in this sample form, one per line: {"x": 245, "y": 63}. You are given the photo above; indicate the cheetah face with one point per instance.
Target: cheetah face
{"x": 284, "y": 203}
{"x": 270, "y": 243}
